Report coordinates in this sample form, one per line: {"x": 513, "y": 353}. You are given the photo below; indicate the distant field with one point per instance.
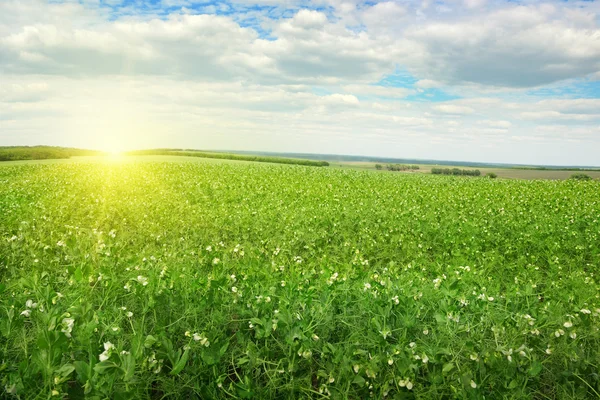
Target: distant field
{"x": 507, "y": 173}
{"x": 136, "y": 278}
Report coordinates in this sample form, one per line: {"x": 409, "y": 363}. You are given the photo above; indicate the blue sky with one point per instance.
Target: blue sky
{"x": 476, "y": 80}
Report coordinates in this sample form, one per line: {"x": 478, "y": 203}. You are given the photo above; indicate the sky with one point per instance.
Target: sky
{"x": 470, "y": 80}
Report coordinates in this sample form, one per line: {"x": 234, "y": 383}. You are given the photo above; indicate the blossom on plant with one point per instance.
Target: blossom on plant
{"x": 202, "y": 339}
{"x": 108, "y": 347}
{"x": 67, "y": 326}
{"x": 142, "y": 279}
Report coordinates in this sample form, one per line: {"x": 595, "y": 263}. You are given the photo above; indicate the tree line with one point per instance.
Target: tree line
{"x": 398, "y": 167}
{"x": 18, "y": 153}
{"x": 228, "y": 156}
{"x": 455, "y": 171}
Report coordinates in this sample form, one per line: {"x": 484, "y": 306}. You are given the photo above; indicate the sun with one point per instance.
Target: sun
{"x": 115, "y": 153}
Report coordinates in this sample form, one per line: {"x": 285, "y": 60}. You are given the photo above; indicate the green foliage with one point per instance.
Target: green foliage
{"x": 41, "y": 153}
{"x": 402, "y": 167}
{"x": 226, "y": 156}
{"x": 195, "y": 280}
{"x": 491, "y": 175}
{"x": 581, "y": 177}
{"x": 378, "y": 166}
{"x": 455, "y": 171}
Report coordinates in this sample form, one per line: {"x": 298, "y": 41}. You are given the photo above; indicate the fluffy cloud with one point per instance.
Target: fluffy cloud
{"x": 303, "y": 76}
{"x": 522, "y": 46}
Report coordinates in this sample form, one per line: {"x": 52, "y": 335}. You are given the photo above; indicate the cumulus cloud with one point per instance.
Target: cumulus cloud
{"x": 453, "y": 109}
{"x": 302, "y": 76}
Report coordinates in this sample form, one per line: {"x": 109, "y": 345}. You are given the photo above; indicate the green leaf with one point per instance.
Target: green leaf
{"x": 513, "y": 384}
{"x": 447, "y": 368}
{"x": 83, "y": 370}
{"x": 536, "y": 368}
{"x": 223, "y": 349}
{"x": 128, "y": 366}
{"x": 359, "y": 380}
{"x": 440, "y": 318}
{"x": 177, "y": 368}
{"x": 150, "y": 341}
{"x": 105, "y": 366}
{"x": 65, "y": 370}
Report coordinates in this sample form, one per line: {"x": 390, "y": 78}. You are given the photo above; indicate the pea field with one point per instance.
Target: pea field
{"x": 168, "y": 280}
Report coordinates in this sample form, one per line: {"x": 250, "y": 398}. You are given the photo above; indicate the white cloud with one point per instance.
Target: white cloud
{"x": 87, "y": 75}
{"x": 453, "y": 109}
{"x": 522, "y": 46}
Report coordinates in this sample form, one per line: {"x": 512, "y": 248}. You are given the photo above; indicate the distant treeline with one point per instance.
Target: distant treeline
{"x": 455, "y": 171}
{"x": 41, "y": 153}
{"x": 228, "y": 156}
{"x": 398, "y": 167}
{"x": 556, "y": 169}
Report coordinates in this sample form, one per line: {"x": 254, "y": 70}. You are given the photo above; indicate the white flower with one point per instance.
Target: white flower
{"x": 115, "y": 329}
{"x": 474, "y": 357}
{"x": 234, "y": 289}
{"x": 367, "y": 286}
{"x": 127, "y": 287}
{"x": 548, "y": 350}
{"x": 202, "y": 339}
{"x": 585, "y": 311}
{"x": 108, "y": 347}
{"x": 129, "y": 314}
{"x": 26, "y": 313}
{"x": 67, "y": 326}
{"x": 30, "y": 304}
{"x": 282, "y": 283}
{"x": 60, "y": 243}
{"x": 187, "y": 334}
{"x": 356, "y": 368}
{"x": 573, "y": 335}
{"x": 142, "y": 279}
{"x": 396, "y": 300}
{"x": 473, "y": 384}
{"x": 390, "y": 361}
{"x": 315, "y": 337}
{"x": 412, "y": 345}
{"x": 216, "y": 261}
{"x": 409, "y": 385}
{"x": 426, "y": 332}
{"x": 425, "y": 359}
{"x": 568, "y": 324}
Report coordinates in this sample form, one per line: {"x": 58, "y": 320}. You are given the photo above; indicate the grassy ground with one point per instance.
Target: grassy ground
{"x": 217, "y": 279}
{"x": 505, "y": 173}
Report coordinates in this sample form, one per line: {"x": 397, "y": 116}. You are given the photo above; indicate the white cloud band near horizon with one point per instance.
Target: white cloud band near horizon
{"x": 488, "y": 81}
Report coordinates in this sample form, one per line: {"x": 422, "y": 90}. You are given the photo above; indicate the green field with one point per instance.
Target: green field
{"x": 211, "y": 279}
{"x": 506, "y": 173}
